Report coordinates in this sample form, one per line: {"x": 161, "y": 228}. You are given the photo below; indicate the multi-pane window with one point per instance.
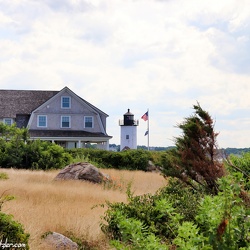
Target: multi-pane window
{"x": 88, "y": 122}
{"x": 65, "y": 121}
{"x": 7, "y": 121}
{"x": 127, "y": 137}
{"x": 66, "y": 102}
{"x": 42, "y": 121}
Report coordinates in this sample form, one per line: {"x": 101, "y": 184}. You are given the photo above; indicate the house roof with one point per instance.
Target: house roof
{"x": 22, "y": 101}
{"x": 15, "y": 102}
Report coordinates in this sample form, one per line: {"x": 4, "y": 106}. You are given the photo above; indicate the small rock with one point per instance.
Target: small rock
{"x": 60, "y": 242}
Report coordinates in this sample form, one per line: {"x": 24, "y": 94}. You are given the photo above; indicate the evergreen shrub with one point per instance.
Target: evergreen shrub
{"x": 17, "y": 151}
{"x": 129, "y": 159}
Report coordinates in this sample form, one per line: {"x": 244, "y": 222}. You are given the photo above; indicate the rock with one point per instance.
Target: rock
{"x": 81, "y": 171}
{"x": 59, "y": 241}
{"x": 152, "y": 168}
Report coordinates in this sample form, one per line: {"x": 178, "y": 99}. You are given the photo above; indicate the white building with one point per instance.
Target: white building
{"x": 128, "y": 131}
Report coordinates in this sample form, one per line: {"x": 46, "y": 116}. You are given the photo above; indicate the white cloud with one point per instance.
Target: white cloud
{"x": 162, "y": 55}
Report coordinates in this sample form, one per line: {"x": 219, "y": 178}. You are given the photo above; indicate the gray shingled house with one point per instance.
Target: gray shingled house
{"x": 58, "y": 116}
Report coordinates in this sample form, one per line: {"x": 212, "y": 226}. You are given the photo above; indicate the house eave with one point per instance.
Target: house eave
{"x": 83, "y": 139}
{"x": 60, "y": 135}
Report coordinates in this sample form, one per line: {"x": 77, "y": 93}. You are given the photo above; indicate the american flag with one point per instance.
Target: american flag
{"x": 145, "y": 116}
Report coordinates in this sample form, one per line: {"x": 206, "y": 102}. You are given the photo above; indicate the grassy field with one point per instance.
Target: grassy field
{"x": 66, "y": 207}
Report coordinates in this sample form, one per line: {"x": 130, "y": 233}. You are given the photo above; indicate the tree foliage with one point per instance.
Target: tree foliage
{"x": 177, "y": 217}
{"x": 128, "y": 159}
{"x": 12, "y": 233}
{"x": 195, "y": 158}
{"x": 240, "y": 164}
{"x": 16, "y": 150}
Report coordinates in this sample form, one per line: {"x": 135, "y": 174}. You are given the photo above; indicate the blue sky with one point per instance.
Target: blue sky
{"x": 161, "y": 55}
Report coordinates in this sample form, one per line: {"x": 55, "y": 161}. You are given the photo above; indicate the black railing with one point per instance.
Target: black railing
{"x": 130, "y": 123}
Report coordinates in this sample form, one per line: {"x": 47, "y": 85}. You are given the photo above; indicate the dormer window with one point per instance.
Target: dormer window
{"x": 66, "y": 102}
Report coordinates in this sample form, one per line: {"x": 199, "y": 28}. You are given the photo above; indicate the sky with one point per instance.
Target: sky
{"x": 158, "y": 55}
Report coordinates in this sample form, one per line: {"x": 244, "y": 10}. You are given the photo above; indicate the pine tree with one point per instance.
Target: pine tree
{"x": 195, "y": 158}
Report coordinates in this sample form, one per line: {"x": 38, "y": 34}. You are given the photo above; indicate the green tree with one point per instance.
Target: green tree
{"x": 12, "y": 145}
{"x": 16, "y": 150}
{"x": 240, "y": 163}
{"x": 195, "y": 158}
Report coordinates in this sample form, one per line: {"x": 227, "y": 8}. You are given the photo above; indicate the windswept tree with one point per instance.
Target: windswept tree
{"x": 195, "y": 158}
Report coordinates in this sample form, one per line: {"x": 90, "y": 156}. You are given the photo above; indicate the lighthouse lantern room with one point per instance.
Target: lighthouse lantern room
{"x": 128, "y": 131}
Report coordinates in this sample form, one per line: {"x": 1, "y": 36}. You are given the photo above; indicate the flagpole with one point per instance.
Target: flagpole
{"x": 148, "y": 129}
{"x": 145, "y": 117}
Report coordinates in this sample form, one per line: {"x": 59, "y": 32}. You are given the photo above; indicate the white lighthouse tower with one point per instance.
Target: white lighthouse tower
{"x": 128, "y": 131}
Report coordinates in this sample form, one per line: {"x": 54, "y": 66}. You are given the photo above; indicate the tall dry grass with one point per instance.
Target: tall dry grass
{"x": 43, "y": 205}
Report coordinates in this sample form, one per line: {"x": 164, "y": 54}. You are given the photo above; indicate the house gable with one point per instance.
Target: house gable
{"x": 74, "y": 110}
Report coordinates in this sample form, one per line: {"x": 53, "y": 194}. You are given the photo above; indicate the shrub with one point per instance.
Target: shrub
{"x": 135, "y": 236}
{"x": 11, "y": 232}
{"x": 4, "y": 176}
{"x": 240, "y": 163}
{"x": 12, "y": 145}
{"x": 45, "y": 155}
{"x": 222, "y": 221}
{"x": 18, "y": 152}
{"x": 129, "y": 159}
{"x": 184, "y": 199}
{"x": 208, "y": 222}
{"x": 160, "y": 213}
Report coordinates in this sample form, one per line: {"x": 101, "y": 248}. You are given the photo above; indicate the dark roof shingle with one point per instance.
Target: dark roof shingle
{"x": 14, "y": 102}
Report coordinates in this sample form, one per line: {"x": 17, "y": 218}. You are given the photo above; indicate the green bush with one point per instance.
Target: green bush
{"x": 222, "y": 221}
{"x": 160, "y": 213}
{"x": 135, "y": 236}
{"x": 219, "y": 221}
{"x": 4, "y": 176}
{"x": 241, "y": 163}
{"x": 129, "y": 159}
{"x": 46, "y": 155}
{"x": 12, "y": 232}
{"x": 184, "y": 199}
{"x": 19, "y": 152}
{"x": 12, "y": 145}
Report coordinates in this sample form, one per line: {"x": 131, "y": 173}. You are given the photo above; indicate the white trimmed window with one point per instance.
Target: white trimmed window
{"x": 65, "y": 102}
{"x": 41, "y": 121}
{"x": 8, "y": 121}
{"x": 88, "y": 122}
{"x": 65, "y": 122}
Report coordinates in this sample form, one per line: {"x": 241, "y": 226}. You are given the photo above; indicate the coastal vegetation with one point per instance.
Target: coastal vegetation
{"x": 71, "y": 208}
{"x": 197, "y": 199}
